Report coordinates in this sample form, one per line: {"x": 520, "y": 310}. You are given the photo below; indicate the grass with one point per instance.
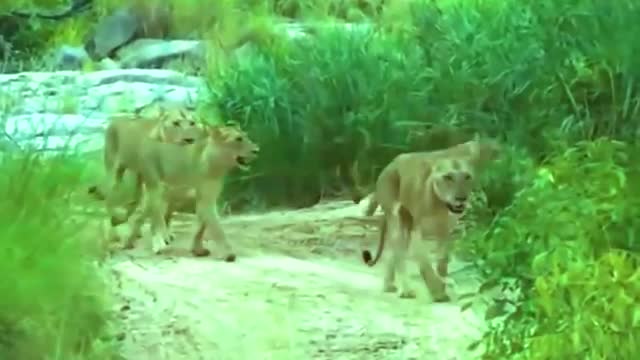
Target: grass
{"x": 59, "y": 298}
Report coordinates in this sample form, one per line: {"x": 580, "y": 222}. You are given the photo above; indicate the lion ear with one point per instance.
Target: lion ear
{"x": 217, "y": 132}
{"x": 157, "y": 133}
{"x": 162, "y": 115}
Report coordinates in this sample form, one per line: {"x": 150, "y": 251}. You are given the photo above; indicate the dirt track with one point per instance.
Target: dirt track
{"x": 297, "y": 291}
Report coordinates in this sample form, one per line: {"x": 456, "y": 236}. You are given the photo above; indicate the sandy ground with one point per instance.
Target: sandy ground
{"x": 297, "y": 291}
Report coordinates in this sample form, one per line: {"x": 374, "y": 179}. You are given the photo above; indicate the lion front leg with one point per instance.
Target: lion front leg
{"x": 156, "y": 209}
{"x": 434, "y": 281}
{"x": 209, "y": 219}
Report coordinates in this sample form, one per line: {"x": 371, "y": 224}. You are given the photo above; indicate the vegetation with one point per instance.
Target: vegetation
{"x": 578, "y": 285}
{"x": 58, "y": 298}
{"x": 557, "y": 82}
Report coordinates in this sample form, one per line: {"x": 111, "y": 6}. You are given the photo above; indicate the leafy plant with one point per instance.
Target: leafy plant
{"x": 568, "y": 242}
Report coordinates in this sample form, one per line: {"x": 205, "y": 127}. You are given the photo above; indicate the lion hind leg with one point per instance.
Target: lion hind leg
{"x": 398, "y": 263}
{"x": 116, "y": 213}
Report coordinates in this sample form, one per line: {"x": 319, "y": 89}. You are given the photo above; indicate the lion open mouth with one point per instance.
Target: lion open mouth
{"x": 456, "y": 209}
{"x": 242, "y": 162}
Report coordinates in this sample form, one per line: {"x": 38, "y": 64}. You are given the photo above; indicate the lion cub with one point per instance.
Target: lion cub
{"x": 172, "y": 173}
{"x": 427, "y": 192}
{"x": 126, "y": 137}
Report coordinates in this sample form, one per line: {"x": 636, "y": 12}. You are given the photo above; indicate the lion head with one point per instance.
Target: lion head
{"x": 178, "y": 126}
{"x": 234, "y": 144}
{"x": 452, "y": 182}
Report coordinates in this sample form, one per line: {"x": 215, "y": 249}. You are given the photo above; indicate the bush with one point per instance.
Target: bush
{"x": 56, "y": 302}
{"x": 569, "y": 244}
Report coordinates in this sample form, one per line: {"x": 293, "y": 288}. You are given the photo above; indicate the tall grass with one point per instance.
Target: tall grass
{"x": 55, "y": 299}
{"x": 318, "y": 107}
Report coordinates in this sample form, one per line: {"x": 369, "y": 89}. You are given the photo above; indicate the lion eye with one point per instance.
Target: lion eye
{"x": 176, "y": 123}
{"x": 448, "y": 177}
{"x": 192, "y": 123}
{"x": 467, "y": 177}
{"x": 239, "y": 139}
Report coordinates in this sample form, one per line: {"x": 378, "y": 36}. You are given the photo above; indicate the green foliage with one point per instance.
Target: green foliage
{"x": 317, "y": 107}
{"x": 569, "y": 243}
{"x": 55, "y": 300}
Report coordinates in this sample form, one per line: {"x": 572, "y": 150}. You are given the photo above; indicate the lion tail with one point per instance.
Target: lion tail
{"x": 366, "y": 254}
{"x": 372, "y": 206}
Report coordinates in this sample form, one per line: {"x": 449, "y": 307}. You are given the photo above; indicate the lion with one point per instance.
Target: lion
{"x": 480, "y": 151}
{"x": 177, "y": 177}
{"x": 129, "y": 135}
{"x": 425, "y": 192}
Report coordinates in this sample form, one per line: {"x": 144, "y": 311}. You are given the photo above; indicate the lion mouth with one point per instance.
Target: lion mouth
{"x": 243, "y": 162}
{"x": 456, "y": 209}
{"x": 188, "y": 141}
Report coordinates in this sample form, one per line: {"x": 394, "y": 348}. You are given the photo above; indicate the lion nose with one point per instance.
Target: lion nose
{"x": 461, "y": 198}
{"x": 255, "y": 151}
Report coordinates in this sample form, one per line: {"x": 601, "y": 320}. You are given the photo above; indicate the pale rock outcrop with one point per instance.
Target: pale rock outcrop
{"x": 70, "y": 109}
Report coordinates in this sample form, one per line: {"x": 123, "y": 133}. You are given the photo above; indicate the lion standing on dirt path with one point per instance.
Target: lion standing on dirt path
{"x": 427, "y": 192}
{"x": 126, "y": 137}
{"x": 199, "y": 169}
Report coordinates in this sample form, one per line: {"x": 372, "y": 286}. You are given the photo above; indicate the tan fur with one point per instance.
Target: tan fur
{"x": 172, "y": 175}
{"x": 425, "y": 192}
{"x": 478, "y": 151}
{"x": 126, "y": 137}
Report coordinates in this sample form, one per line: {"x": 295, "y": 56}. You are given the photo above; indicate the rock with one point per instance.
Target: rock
{"x": 155, "y": 52}
{"x": 62, "y": 110}
{"x": 112, "y": 32}
{"x": 127, "y": 24}
{"x": 69, "y": 58}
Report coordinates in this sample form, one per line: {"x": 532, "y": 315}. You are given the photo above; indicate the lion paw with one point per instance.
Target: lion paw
{"x": 200, "y": 252}
{"x": 407, "y": 294}
{"x": 158, "y": 243}
{"x": 169, "y": 239}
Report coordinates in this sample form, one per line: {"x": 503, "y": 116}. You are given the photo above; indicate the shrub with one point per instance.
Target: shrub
{"x": 55, "y": 300}
{"x": 569, "y": 244}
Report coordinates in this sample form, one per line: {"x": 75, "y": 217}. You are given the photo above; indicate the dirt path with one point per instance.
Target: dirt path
{"x": 297, "y": 291}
